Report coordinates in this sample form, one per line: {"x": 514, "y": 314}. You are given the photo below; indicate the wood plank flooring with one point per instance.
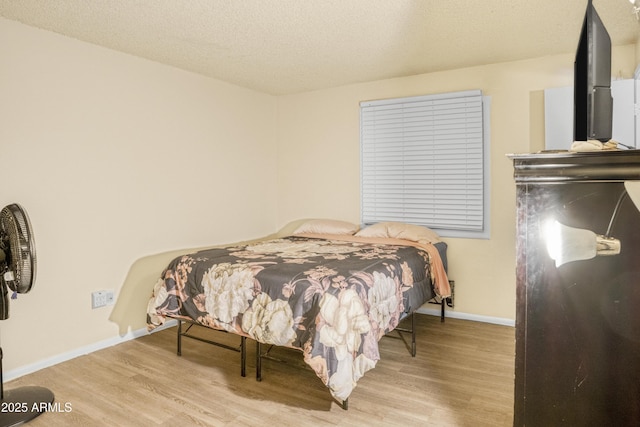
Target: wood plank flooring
{"x": 462, "y": 376}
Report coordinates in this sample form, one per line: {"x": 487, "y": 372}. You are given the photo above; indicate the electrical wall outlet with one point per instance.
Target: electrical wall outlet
{"x": 101, "y": 298}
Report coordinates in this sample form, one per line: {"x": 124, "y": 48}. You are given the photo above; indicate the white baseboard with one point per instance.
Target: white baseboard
{"x": 28, "y": 369}
{"x": 466, "y": 316}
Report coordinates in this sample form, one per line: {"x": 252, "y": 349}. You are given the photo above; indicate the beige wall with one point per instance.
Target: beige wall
{"x": 116, "y": 158}
{"x": 318, "y": 158}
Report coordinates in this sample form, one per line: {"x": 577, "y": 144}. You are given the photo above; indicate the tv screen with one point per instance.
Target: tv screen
{"x": 593, "y": 104}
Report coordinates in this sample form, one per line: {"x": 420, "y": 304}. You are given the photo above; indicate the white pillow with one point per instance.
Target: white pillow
{"x": 400, "y": 230}
{"x": 326, "y": 226}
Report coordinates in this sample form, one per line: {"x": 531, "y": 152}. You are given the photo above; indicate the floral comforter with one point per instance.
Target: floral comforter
{"x": 332, "y": 299}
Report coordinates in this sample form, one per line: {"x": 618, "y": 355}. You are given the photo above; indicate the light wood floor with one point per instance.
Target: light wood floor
{"x": 461, "y": 376}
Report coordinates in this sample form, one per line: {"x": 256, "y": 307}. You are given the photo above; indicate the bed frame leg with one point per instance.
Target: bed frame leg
{"x": 413, "y": 334}
{"x": 258, "y": 361}
{"x": 442, "y": 310}
{"x": 179, "y": 337}
{"x": 243, "y": 356}
{"x": 345, "y": 404}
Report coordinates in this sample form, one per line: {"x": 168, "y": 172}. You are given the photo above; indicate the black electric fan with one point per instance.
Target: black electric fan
{"x": 18, "y": 273}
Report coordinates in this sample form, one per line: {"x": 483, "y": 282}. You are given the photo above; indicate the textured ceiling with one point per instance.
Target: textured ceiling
{"x": 291, "y": 46}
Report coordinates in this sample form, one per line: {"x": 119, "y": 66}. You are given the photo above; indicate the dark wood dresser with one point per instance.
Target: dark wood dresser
{"x": 577, "y": 315}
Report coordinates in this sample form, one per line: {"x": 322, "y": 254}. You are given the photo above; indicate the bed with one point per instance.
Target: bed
{"x": 327, "y": 290}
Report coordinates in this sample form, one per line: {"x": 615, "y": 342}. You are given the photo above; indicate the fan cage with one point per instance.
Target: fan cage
{"x": 20, "y": 263}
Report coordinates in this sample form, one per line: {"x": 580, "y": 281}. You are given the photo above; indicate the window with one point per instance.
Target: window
{"x": 424, "y": 160}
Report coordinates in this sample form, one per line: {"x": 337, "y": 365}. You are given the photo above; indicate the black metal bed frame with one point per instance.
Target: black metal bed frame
{"x": 242, "y": 348}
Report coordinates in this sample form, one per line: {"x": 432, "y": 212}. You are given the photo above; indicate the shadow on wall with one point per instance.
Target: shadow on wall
{"x": 130, "y": 310}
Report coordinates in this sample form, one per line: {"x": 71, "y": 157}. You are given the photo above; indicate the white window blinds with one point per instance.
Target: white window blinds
{"x": 423, "y": 161}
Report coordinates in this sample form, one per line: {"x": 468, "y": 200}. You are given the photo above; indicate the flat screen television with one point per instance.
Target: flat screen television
{"x": 593, "y": 104}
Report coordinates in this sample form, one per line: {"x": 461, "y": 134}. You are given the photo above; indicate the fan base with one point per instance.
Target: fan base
{"x": 23, "y": 404}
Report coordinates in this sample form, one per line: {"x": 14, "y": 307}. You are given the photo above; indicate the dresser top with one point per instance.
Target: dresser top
{"x": 565, "y": 166}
